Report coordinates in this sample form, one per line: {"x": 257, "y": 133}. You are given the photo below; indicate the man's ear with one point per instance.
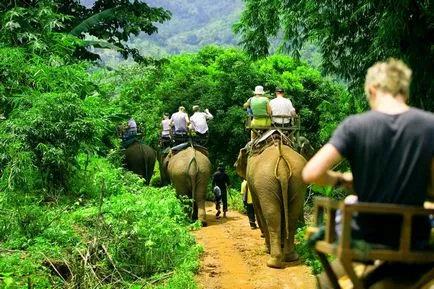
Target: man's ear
{"x": 372, "y": 91}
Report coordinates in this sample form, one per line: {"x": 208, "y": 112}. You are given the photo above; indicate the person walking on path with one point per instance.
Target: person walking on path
{"x": 248, "y": 204}
{"x": 221, "y": 179}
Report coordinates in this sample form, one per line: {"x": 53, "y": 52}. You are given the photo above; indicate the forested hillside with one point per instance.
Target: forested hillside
{"x": 194, "y": 24}
{"x": 71, "y": 215}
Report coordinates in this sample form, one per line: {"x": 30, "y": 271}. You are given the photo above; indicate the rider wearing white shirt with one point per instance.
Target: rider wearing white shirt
{"x": 282, "y": 108}
{"x": 199, "y": 120}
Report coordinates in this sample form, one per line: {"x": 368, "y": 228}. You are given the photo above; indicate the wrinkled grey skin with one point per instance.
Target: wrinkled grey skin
{"x": 164, "y": 177}
{"x": 140, "y": 159}
{"x": 189, "y": 170}
{"x": 274, "y": 179}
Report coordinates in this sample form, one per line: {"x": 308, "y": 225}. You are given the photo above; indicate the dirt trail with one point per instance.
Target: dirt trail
{"x": 235, "y": 258}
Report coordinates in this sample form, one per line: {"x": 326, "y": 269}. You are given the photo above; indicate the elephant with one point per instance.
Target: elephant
{"x": 164, "y": 178}
{"x": 305, "y": 148}
{"x": 274, "y": 179}
{"x": 140, "y": 159}
{"x": 189, "y": 170}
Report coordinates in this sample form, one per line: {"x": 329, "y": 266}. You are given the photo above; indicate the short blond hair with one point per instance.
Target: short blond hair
{"x": 391, "y": 76}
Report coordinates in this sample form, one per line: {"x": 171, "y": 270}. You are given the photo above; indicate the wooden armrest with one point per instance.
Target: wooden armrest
{"x": 378, "y": 208}
{"x": 325, "y": 213}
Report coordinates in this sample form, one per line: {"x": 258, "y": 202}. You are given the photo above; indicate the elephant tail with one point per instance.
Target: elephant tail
{"x": 283, "y": 176}
{"x": 147, "y": 163}
{"x": 193, "y": 176}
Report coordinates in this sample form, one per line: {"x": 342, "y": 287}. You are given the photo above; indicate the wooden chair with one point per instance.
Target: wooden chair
{"x": 324, "y": 215}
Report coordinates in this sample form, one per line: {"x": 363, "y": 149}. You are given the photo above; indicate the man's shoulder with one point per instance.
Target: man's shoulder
{"x": 280, "y": 100}
{"x": 416, "y": 112}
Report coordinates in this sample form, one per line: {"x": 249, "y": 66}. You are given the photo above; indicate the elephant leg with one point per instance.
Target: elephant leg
{"x": 271, "y": 208}
{"x": 200, "y": 210}
{"x": 194, "y": 213}
{"x": 295, "y": 208}
{"x": 149, "y": 172}
{"x": 261, "y": 221}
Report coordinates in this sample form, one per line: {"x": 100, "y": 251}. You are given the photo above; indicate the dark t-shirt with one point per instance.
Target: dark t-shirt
{"x": 221, "y": 179}
{"x": 390, "y": 157}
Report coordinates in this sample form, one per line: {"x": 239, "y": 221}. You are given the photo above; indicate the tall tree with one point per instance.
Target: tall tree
{"x": 111, "y": 20}
{"x": 351, "y": 34}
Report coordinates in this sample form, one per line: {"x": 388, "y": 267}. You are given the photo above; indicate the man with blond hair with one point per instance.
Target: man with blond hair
{"x": 390, "y": 150}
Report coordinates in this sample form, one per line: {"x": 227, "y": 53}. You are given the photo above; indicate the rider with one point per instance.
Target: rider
{"x": 390, "y": 150}
{"x": 166, "y": 137}
{"x": 132, "y": 126}
{"x": 260, "y": 108}
{"x": 180, "y": 122}
{"x": 199, "y": 123}
{"x": 282, "y": 109}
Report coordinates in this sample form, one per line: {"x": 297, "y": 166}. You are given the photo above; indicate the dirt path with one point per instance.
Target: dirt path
{"x": 234, "y": 258}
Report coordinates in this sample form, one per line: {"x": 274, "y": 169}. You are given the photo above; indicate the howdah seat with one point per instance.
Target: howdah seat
{"x": 344, "y": 249}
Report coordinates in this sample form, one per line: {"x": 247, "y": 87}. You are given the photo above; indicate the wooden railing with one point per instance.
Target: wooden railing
{"x": 324, "y": 215}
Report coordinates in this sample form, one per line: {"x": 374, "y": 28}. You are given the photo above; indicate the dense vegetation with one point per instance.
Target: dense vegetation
{"x": 222, "y": 80}
{"x": 352, "y": 35}
{"x": 71, "y": 215}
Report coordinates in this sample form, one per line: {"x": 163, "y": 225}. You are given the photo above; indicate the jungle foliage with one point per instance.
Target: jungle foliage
{"x": 222, "y": 80}
{"x": 70, "y": 213}
{"x": 352, "y": 36}
{"x": 112, "y": 23}
{"x": 62, "y": 189}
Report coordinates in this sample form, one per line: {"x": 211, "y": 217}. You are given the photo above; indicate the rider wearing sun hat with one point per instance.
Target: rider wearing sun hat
{"x": 260, "y": 107}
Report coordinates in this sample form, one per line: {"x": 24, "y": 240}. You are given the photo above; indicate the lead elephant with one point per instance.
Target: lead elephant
{"x": 140, "y": 159}
{"x": 278, "y": 191}
{"x": 189, "y": 170}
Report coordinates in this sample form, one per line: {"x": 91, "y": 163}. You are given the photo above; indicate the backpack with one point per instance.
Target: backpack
{"x": 217, "y": 191}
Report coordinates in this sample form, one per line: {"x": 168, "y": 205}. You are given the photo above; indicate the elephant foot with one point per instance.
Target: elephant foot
{"x": 292, "y": 256}
{"x": 267, "y": 249}
{"x": 274, "y": 262}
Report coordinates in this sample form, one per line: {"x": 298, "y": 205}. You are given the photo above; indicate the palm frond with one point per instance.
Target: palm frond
{"x": 88, "y": 23}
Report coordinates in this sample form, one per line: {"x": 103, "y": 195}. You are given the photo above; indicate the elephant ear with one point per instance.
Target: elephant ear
{"x": 306, "y": 149}
{"x": 166, "y": 160}
{"x": 241, "y": 163}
